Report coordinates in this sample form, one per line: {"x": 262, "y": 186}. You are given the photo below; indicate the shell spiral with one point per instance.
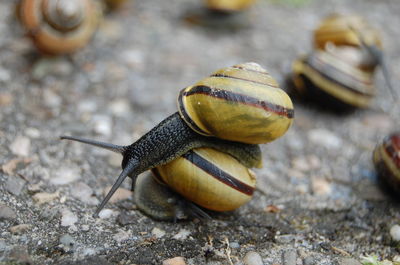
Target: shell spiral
{"x": 241, "y": 103}
{"x": 59, "y": 26}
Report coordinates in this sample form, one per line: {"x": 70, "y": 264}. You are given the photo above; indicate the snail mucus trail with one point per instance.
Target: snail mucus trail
{"x": 232, "y": 111}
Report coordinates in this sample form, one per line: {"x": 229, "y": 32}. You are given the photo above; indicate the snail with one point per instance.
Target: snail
{"x": 339, "y": 72}
{"x": 228, "y": 5}
{"x": 209, "y": 178}
{"x": 114, "y": 4}
{"x": 232, "y": 111}
{"x": 386, "y": 158}
{"x": 59, "y": 26}
{"x": 334, "y": 80}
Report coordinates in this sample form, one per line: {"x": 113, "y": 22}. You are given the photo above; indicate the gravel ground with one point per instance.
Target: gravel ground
{"x": 318, "y": 201}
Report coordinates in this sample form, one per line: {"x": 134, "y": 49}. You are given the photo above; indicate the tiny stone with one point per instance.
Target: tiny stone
{"x": 44, "y": 197}
{"x": 68, "y": 218}
{"x": 20, "y": 255}
{"x": 324, "y": 138}
{"x": 310, "y": 260}
{"x": 174, "y": 261}
{"x": 67, "y": 240}
{"x": 50, "y": 213}
{"x": 16, "y": 229}
{"x": 84, "y": 193}
{"x": 395, "y": 232}
{"x": 85, "y": 228}
{"x": 289, "y": 257}
{"x": 106, "y": 213}
{"x": 320, "y": 186}
{"x": 5, "y": 76}
{"x": 65, "y": 175}
{"x": 21, "y": 146}
{"x": 6, "y": 99}
{"x": 102, "y": 125}
{"x": 348, "y": 261}
{"x": 119, "y": 195}
{"x": 125, "y": 219}
{"x": 234, "y": 245}
{"x": 122, "y": 236}
{"x": 32, "y": 132}
{"x": 3, "y": 245}
{"x": 120, "y": 107}
{"x": 6, "y": 213}
{"x": 284, "y": 239}
{"x": 51, "y": 99}
{"x": 182, "y": 234}
{"x": 252, "y": 258}
{"x": 14, "y": 185}
{"x": 157, "y": 232}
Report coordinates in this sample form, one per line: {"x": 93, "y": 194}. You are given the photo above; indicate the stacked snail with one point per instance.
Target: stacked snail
{"x": 204, "y": 151}
{"x": 386, "y": 158}
{"x": 340, "y": 70}
{"x": 59, "y": 26}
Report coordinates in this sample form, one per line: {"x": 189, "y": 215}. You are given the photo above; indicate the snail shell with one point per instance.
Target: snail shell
{"x": 346, "y": 30}
{"x": 241, "y": 103}
{"x": 209, "y": 178}
{"x": 228, "y": 5}
{"x": 59, "y": 26}
{"x": 386, "y": 158}
{"x": 326, "y": 77}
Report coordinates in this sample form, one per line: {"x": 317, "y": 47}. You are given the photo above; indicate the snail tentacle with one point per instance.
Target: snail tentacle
{"x": 112, "y": 147}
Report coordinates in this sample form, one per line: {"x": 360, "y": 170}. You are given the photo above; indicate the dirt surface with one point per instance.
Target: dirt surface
{"x": 319, "y": 175}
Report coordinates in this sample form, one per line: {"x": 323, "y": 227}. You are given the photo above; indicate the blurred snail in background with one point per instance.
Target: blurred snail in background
{"x": 386, "y": 158}
{"x": 59, "y": 26}
{"x": 231, "y": 111}
{"x": 340, "y": 71}
{"x": 228, "y": 5}
{"x": 114, "y": 4}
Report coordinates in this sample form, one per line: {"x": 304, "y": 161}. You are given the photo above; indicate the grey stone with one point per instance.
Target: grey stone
{"x": 348, "y": 261}
{"x": 6, "y": 213}
{"x": 14, "y": 185}
{"x": 252, "y": 258}
{"x": 20, "y": 255}
{"x": 67, "y": 241}
{"x": 310, "y": 260}
{"x": 289, "y": 257}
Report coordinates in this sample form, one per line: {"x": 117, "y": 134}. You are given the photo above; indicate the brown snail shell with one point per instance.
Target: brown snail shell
{"x": 59, "y": 26}
{"x": 386, "y": 158}
{"x": 229, "y": 5}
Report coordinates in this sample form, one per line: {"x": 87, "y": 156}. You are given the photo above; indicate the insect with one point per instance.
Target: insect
{"x": 232, "y": 111}
{"x": 59, "y": 26}
{"x": 339, "y": 72}
{"x": 386, "y": 158}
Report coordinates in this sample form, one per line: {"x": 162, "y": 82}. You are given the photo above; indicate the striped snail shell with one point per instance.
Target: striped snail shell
{"x": 59, "y": 26}
{"x": 229, "y": 5}
{"x": 386, "y": 158}
{"x": 264, "y": 113}
{"x": 346, "y": 30}
{"x": 328, "y": 78}
{"x": 241, "y": 103}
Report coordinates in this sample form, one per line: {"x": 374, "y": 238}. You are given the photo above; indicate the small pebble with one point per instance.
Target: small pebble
{"x": 125, "y": 219}
{"x": 174, "y": 261}
{"x": 32, "y": 132}
{"x": 310, "y": 260}
{"x": 20, "y": 254}
{"x": 44, "y": 197}
{"x": 5, "y": 75}
{"x": 119, "y": 195}
{"x": 6, "y": 213}
{"x": 120, "y": 107}
{"x": 102, "y": 125}
{"x": 68, "y": 218}
{"x": 17, "y": 229}
{"x": 65, "y": 175}
{"x": 10, "y": 167}
{"x": 234, "y": 245}
{"x": 21, "y": 146}
{"x": 348, "y": 261}
{"x": 122, "y": 235}
{"x": 84, "y": 193}
{"x": 51, "y": 99}
{"x": 324, "y": 138}
{"x": 14, "y": 185}
{"x": 157, "y": 232}
{"x": 106, "y": 213}
{"x": 67, "y": 242}
{"x": 395, "y": 232}
{"x": 5, "y": 99}
{"x": 252, "y": 258}
{"x": 182, "y": 234}
{"x": 320, "y": 186}
{"x": 85, "y": 228}
{"x": 284, "y": 239}
{"x": 3, "y": 244}
{"x": 289, "y": 257}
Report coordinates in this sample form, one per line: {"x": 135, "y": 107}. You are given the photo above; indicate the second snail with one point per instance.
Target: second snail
{"x": 231, "y": 111}
{"x": 339, "y": 72}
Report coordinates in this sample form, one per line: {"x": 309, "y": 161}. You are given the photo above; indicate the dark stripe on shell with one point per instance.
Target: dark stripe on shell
{"x": 243, "y": 99}
{"x": 331, "y": 68}
{"x": 186, "y": 117}
{"x": 244, "y": 79}
{"x": 218, "y": 173}
{"x": 392, "y": 152}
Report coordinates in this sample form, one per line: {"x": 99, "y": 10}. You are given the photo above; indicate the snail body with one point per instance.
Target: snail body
{"x": 386, "y": 158}
{"x": 328, "y": 78}
{"x": 174, "y": 136}
{"x": 59, "y": 26}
